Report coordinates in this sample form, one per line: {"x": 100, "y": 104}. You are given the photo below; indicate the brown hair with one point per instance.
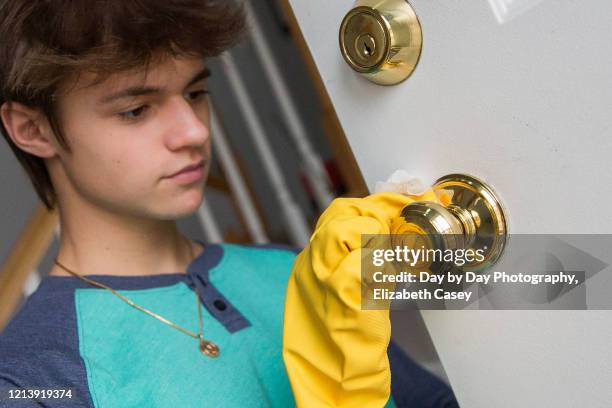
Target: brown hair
{"x": 44, "y": 43}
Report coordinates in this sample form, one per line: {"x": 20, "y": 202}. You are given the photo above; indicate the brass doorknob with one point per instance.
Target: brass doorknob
{"x": 381, "y": 39}
{"x": 471, "y": 218}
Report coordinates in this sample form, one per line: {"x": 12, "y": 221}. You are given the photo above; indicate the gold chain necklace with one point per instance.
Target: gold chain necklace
{"x": 207, "y": 347}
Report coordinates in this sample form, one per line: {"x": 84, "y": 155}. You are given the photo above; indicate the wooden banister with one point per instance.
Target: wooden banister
{"x": 24, "y": 257}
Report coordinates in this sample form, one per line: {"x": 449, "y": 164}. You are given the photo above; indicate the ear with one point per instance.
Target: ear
{"x": 29, "y": 129}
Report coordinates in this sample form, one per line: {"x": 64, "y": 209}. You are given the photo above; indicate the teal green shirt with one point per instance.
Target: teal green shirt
{"x": 72, "y": 335}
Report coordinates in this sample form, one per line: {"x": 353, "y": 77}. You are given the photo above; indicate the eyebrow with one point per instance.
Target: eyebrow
{"x": 147, "y": 90}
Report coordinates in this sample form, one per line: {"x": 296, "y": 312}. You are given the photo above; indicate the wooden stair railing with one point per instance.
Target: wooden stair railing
{"x": 24, "y": 257}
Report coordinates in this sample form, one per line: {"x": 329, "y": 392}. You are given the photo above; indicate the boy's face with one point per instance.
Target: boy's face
{"x": 130, "y": 132}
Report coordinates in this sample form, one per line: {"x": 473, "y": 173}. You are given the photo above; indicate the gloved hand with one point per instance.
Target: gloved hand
{"x": 335, "y": 353}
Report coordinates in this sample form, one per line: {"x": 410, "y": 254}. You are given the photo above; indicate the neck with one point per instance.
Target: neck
{"x": 98, "y": 242}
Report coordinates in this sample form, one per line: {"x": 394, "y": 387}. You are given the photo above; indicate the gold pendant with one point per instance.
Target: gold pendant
{"x": 208, "y": 348}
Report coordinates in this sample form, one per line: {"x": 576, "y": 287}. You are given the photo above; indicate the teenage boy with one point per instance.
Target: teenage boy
{"x": 104, "y": 105}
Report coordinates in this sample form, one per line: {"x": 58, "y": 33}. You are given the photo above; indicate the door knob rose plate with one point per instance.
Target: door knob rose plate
{"x": 472, "y": 217}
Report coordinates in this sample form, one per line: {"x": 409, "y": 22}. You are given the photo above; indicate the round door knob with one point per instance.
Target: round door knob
{"x": 472, "y": 217}
{"x": 381, "y": 39}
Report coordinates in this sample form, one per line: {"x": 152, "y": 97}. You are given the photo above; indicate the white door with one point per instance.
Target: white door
{"x": 519, "y": 93}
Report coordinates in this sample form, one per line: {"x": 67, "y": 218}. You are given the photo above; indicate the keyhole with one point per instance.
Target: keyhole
{"x": 367, "y": 45}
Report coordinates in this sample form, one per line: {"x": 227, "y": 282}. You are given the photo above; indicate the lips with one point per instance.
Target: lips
{"x": 188, "y": 168}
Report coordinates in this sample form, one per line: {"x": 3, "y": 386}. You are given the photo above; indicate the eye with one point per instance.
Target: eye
{"x": 197, "y": 95}
{"x": 133, "y": 113}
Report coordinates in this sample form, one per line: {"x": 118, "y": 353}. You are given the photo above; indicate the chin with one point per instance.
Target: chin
{"x": 180, "y": 204}
{"x": 189, "y": 202}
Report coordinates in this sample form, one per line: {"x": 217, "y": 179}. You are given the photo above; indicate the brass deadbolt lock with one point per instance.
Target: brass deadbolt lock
{"x": 381, "y": 39}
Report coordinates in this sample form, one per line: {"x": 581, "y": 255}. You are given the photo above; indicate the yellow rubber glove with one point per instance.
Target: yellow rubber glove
{"x": 335, "y": 353}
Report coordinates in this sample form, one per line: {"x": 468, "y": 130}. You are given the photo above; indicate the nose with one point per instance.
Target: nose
{"x": 186, "y": 126}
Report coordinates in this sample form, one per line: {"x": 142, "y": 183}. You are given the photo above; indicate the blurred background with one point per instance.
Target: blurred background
{"x": 279, "y": 158}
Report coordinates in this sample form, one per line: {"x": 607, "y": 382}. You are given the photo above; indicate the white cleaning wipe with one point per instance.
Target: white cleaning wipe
{"x": 401, "y": 182}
